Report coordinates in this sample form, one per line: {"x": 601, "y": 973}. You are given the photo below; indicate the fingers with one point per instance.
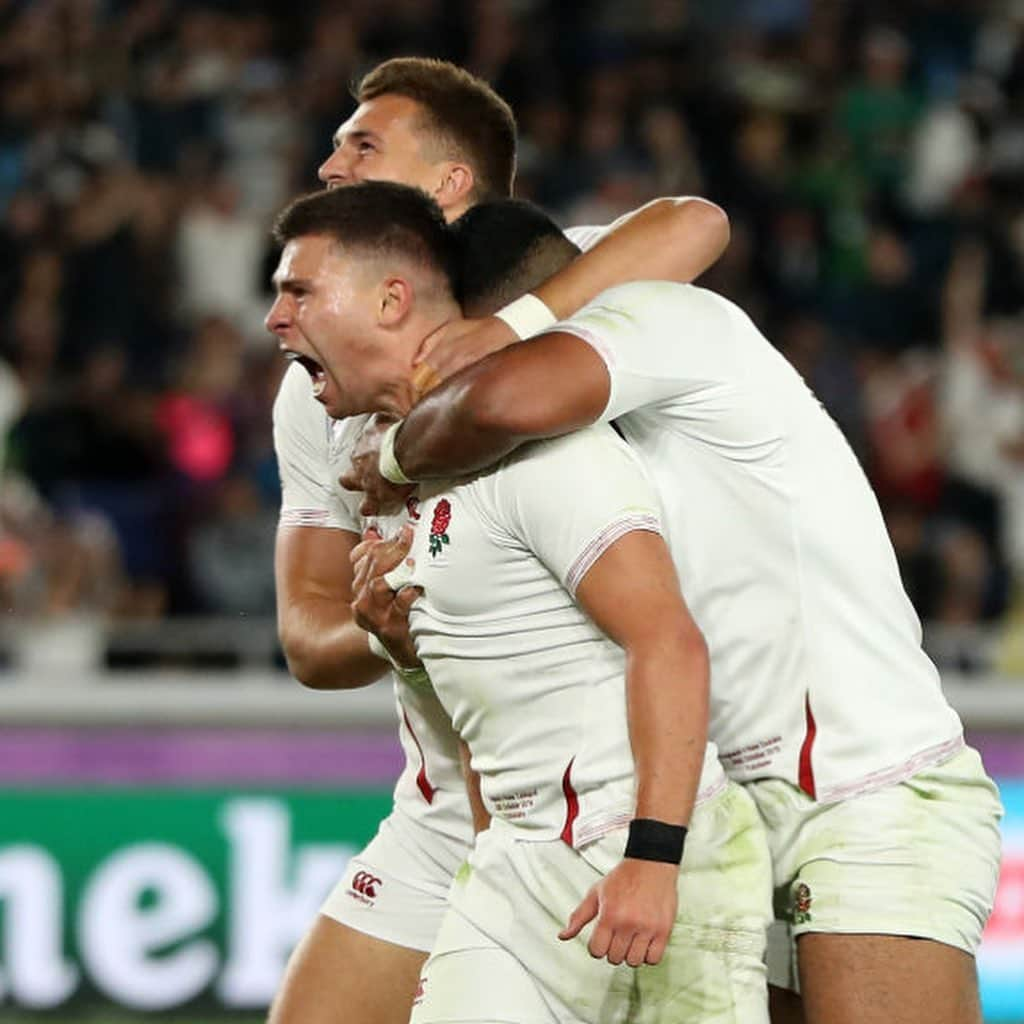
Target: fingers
{"x": 617, "y": 938}
{"x": 582, "y": 915}
{"x": 636, "y": 953}
{"x": 656, "y": 949}
{"x": 425, "y": 378}
{"x": 381, "y": 556}
{"x": 619, "y": 945}
{"x": 427, "y": 345}
{"x": 351, "y": 479}
{"x": 406, "y": 598}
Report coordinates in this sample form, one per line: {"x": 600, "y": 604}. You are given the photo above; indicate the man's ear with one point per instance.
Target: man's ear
{"x": 457, "y": 182}
{"x": 395, "y": 300}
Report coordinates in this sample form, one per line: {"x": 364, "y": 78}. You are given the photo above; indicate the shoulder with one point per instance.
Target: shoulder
{"x": 584, "y": 454}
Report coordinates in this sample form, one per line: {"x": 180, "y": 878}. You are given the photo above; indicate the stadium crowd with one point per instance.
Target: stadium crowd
{"x": 870, "y": 157}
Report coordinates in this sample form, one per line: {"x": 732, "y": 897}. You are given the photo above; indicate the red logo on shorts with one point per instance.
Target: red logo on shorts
{"x": 366, "y": 884}
{"x": 418, "y": 997}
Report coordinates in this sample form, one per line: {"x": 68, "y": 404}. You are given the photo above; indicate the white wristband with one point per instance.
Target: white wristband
{"x": 387, "y": 460}
{"x": 527, "y": 316}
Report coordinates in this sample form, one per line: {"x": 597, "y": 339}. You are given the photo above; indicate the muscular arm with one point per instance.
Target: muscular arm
{"x": 632, "y": 594}
{"x": 544, "y": 387}
{"x": 324, "y": 647}
{"x": 666, "y": 240}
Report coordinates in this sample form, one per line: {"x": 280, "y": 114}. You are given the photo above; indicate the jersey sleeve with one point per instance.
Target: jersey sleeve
{"x": 302, "y": 442}
{"x": 586, "y": 236}
{"x": 570, "y": 499}
{"x": 660, "y": 342}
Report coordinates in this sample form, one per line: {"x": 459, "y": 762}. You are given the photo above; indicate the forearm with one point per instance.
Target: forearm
{"x": 666, "y": 240}
{"x": 667, "y": 701}
{"x": 544, "y": 387}
{"x": 324, "y": 648}
{"x": 445, "y": 435}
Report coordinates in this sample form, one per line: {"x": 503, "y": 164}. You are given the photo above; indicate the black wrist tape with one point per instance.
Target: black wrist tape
{"x": 655, "y": 840}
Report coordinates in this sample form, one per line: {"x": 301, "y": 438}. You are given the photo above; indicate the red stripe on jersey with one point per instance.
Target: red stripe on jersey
{"x": 572, "y": 805}
{"x": 806, "y": 768}
{"x": 422, "y": 782}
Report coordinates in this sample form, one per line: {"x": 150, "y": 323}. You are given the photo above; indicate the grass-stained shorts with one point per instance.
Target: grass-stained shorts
{"x": 918, "y": 858}
{"x": 498, "y": 956}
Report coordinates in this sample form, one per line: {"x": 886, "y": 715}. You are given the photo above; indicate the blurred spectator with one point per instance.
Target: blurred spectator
{"x": 231, "y": 551}
{"x": 220, "y": 253}
{"x": 878, "y": 112}
{"x": 868, "y": 167}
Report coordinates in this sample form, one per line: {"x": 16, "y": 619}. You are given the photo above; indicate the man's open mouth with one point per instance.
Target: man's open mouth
{"x": 316, "y": 372}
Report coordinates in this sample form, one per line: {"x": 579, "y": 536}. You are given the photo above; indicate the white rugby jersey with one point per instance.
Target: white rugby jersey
{"x": 312, "y": 453}
{"x": 817, "y": 671}
{"x": 535, "y": 689}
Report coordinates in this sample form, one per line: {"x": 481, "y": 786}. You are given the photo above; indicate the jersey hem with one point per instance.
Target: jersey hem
{"x": 309, "y": 517}
{"x": 603, "y": 541}
{"x": 895, "y": 773}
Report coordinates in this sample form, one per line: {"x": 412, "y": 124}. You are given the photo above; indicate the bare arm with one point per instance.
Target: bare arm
{"x": 324, "y": 647}
{"x": 665, "y": 240}
{"x": 632, "y": 593}
{"x": 544, "y": 387}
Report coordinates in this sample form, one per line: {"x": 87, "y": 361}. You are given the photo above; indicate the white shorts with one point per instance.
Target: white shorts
{"x": 397, "y": 888}
{"x": 918, "y": 858}
{"x": 498, "y": 956}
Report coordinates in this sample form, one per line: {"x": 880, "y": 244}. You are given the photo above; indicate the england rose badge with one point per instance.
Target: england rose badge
{"x": 439, "y": 526}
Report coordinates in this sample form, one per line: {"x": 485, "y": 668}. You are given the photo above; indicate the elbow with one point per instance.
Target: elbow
{"x": 308, "y": 667}
{"x": 695, "y": 654}
{"x": 302, "y": 663}
{"x": 701, "y": 225}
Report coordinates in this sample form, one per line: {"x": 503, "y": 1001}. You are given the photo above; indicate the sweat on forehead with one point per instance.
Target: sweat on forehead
{"x": 378, "y": 217}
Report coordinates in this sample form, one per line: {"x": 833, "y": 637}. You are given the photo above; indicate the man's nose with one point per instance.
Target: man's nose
{"x": 278, "y": 318}
{"x": 337, "y": 168}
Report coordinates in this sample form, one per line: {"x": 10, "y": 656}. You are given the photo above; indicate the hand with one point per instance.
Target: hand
{"x": 376, "y": 607}
{"x": 454, "y": 346}
{"x": 380, "y": 496}
{"x": 635, "y": 906}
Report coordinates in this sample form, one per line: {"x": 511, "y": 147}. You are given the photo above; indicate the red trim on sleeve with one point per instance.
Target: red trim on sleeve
{"x": 422, "y": 782}
{"x": 806, "y": 775}
{"x": 572, "y": 805}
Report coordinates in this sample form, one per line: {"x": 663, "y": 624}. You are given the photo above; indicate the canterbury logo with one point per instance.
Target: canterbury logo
{"x": 366, "y": 884}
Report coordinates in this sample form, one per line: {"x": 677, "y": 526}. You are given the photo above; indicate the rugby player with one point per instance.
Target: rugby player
{"x": 882, "y": 823}
{"x": 555, "y": 635}
{"x": 429, "y": 124}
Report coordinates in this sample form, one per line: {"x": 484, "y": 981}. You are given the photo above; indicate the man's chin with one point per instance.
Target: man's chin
{"x": 334, "y": 409}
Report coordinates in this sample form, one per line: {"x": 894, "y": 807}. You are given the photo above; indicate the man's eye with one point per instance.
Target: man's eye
{"x": 366, "y": 147}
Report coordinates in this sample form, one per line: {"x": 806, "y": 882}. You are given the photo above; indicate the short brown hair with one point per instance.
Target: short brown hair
{"x": 468, "y": 117}
{"x": 379, "y": 218}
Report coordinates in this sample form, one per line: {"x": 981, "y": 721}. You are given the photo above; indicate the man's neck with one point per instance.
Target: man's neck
{"x": 398, "y": 400}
